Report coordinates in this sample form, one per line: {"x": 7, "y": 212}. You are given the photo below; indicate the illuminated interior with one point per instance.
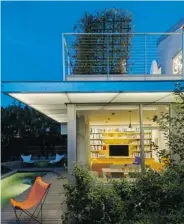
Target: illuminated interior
{"x": 120, "y": 128}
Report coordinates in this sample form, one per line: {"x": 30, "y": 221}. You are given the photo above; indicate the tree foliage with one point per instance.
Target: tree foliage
{"x": 100, "y": 53}
{"x": 152, "y": 198}
{"x": 172, "y": 125}
{"x": 18, "y": 121}
{"x": 88, "y": 203}
{"x": 21, "y": 123}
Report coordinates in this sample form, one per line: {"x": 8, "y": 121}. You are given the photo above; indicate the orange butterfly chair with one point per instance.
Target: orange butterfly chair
{"x": 36, "y": 196}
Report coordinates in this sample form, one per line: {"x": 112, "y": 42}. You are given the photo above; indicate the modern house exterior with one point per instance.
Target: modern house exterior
{"x": 110, "y": 117}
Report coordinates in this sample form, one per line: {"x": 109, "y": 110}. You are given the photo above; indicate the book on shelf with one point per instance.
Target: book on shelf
{"x": 120, "y": 136}
{"x": 137, "y": 142}
{"x": 146, "y": 154}
{"x": 95, "y": 136}
{"x": 96, "y": 147}
{"x": 96, "y": 142}
{"x": 116, "y": 130}
{"x": 94, "y": 155}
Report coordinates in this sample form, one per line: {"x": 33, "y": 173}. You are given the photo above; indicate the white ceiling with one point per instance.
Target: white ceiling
{"x": 122, "y": 117}
{"x": 91, "y": 97}
{"x": 54, "y": 104}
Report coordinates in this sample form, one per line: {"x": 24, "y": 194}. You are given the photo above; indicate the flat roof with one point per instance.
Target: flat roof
{"x": 90, "y": 86}
{"x": 51, "y": 98}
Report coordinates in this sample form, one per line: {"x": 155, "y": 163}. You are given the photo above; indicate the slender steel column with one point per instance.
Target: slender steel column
{"x": 141, "y": 138}
{"x": 108, "y": 68}
{"x": 63, "y": 55}
{"x": 145, "y": 54}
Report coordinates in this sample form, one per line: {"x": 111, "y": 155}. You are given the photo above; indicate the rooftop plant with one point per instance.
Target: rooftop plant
{"x": 99, "y": 53}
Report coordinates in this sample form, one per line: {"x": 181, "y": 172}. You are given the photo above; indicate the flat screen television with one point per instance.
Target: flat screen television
{"x": 118, "y": 150}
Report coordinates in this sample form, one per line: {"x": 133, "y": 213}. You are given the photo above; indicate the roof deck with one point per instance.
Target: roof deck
{"x": 123, "y": 56}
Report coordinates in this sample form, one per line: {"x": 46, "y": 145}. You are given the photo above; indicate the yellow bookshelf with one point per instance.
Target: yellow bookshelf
{"x": 103, "y": 137}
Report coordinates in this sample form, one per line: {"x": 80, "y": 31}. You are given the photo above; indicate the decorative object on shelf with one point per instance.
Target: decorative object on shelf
{"x": 104, "y": 147}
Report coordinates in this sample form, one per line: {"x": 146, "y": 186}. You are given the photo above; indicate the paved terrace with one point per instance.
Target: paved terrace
{"x": 52, "y": 208}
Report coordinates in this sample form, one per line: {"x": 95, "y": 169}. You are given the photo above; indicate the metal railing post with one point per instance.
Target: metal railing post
{"x": 145, "y": 54}
{"x": 141, "y": 138}
{"x": 68, "y": 65}
{"x": 183, "y": 51}
{"x": 107, "y": 60}
{"x": 63, "y": 54}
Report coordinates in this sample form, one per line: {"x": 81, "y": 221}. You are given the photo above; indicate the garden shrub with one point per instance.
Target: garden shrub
{"x": 88, "y": 202}
{"x": 153, "y": 198}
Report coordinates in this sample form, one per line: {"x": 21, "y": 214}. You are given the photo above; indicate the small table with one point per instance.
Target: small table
{"x": 42, "y": 163}
{"x": 110, "y": 170}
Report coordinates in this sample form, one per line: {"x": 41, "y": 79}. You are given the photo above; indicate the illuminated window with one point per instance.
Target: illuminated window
{"x": 177, "y": 64}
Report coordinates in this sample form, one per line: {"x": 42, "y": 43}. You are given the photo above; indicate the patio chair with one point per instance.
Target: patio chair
{"x": 36, "y": 197}
{"x": 27, "y": 159}
{"x": 134, "y": 167}
{"x": 57, "y": 159}
{"x": 137, "y": 160}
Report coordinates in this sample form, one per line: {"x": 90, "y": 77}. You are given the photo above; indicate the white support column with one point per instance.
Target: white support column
{"x": 82, "y": 139}
{"x": 71, "y": 130}
{"x": 87, "y": 142}
{"x": 141, "y": 138}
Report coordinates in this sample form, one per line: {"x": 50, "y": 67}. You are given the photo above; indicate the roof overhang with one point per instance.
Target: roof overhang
{"x": 91, "y": 86}
{"x": 51, "y": 98}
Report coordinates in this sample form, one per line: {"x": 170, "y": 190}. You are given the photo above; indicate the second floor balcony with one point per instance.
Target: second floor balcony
{"x": 123, "y": 56}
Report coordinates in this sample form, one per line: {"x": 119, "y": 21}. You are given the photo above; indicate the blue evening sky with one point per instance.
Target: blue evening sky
{"x": 31, "y": 33}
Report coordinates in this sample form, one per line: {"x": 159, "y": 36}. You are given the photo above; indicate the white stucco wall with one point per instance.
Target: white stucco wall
{"x": 167, "y": 49}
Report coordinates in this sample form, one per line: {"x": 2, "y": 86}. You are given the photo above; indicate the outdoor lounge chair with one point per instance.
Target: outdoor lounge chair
{"x": 57, "y": 159}
{"x": 27, "y": 159}
{"x": 36, "y": 197}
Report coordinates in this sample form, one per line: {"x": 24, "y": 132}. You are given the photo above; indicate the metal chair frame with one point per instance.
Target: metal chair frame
{"x": 28, "y": 213}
